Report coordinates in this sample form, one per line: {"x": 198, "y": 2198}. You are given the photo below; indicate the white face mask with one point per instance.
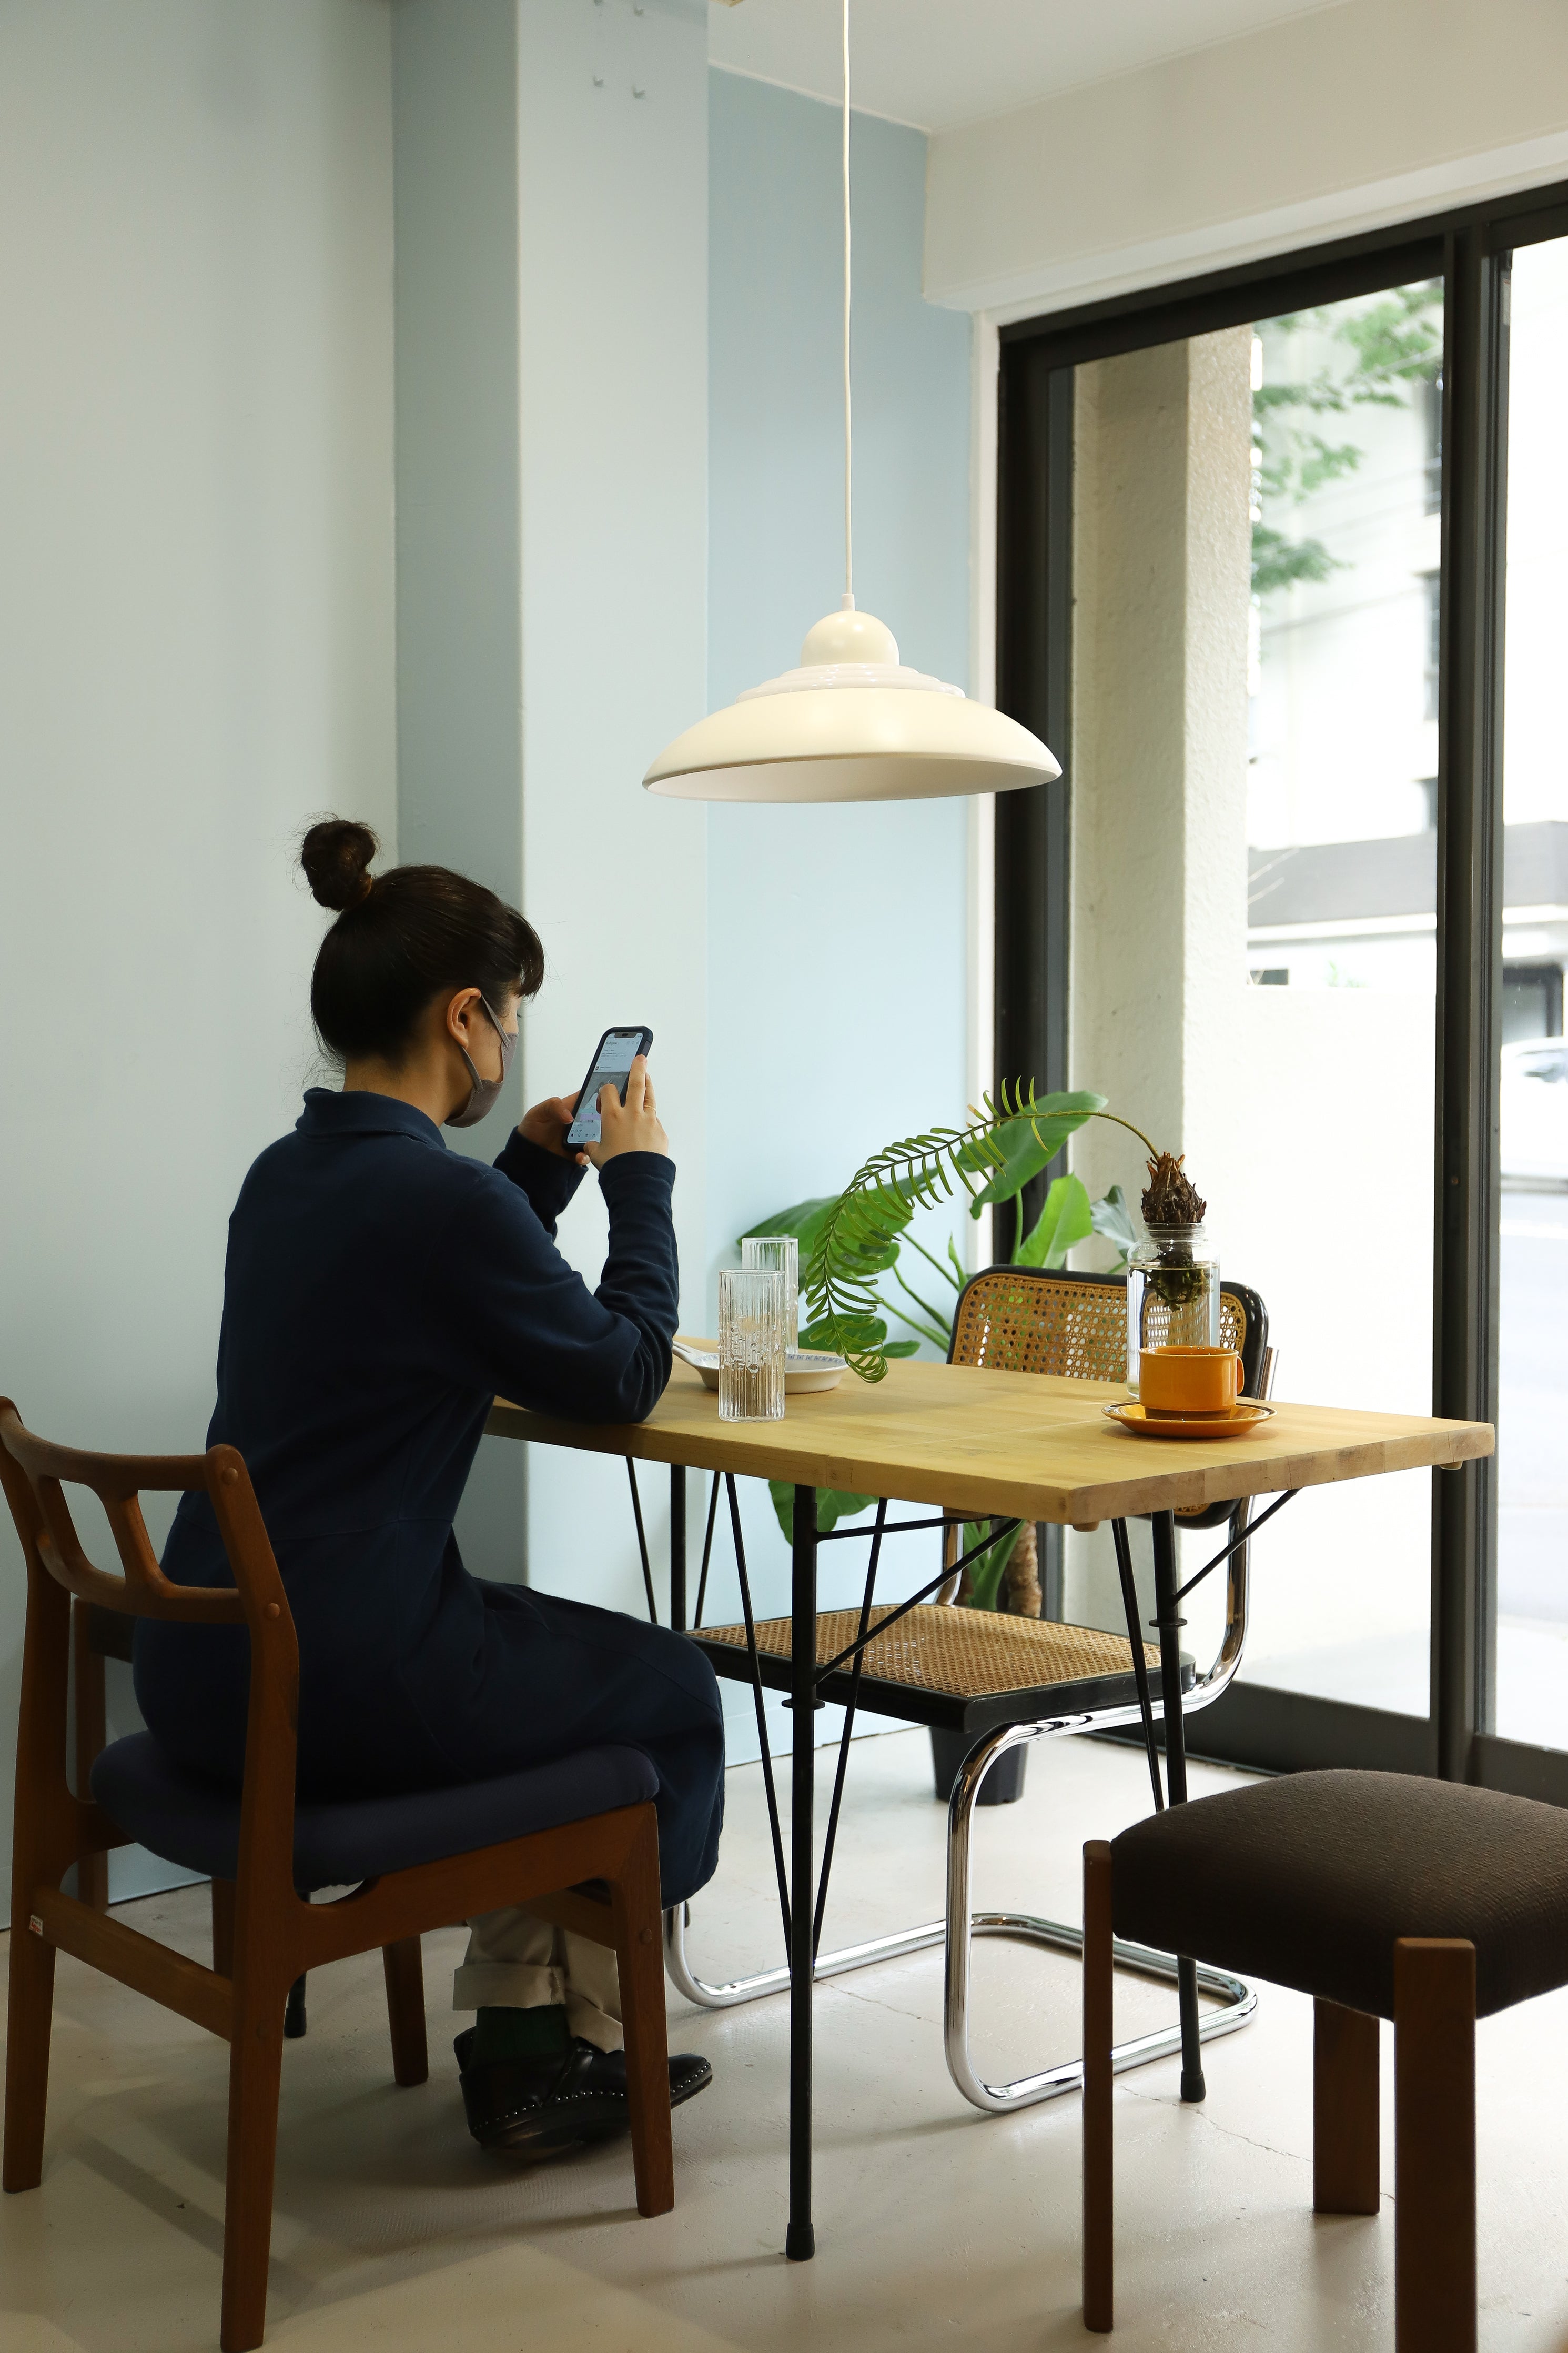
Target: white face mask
{"x": 483, "y": 1092}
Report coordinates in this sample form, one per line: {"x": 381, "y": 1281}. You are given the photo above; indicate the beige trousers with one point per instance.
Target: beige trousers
{"x": 517, "y": 1961}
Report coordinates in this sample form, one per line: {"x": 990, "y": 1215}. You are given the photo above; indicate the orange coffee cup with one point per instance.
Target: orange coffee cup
{"x": 1188, "y": 1380}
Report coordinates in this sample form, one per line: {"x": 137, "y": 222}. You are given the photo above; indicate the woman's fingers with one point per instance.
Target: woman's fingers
{"x": 632, "y": 1125}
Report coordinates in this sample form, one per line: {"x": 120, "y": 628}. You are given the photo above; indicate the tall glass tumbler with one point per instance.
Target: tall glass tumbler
{"x": 751, "y": 1344}
{"x": 780, "y": 1252}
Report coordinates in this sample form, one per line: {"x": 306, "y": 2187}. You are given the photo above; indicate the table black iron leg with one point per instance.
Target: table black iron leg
{"x": 1168, "y": 1618}
{"x": 677, "y": 1546}
{"x": 800, "y": 2240}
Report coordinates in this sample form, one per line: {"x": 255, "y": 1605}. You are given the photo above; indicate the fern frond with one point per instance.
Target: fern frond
{"x": 858, "y": 1237}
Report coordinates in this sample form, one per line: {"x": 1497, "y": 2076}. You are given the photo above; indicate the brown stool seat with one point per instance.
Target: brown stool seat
{"x": 1383, "y": 1895}
{"x": 1309, "y": 1880}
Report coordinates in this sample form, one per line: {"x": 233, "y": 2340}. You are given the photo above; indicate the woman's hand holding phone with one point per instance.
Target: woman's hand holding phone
{"x": 546, "y": 1125}
{"x": 630, "y": 1126}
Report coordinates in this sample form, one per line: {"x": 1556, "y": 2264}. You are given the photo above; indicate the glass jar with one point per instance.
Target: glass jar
{"x": 1172, "y": 1293}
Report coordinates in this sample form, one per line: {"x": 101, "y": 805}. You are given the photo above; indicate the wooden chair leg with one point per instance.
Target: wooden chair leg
{"x": 92, "y": 1732}
{"x": 639, "y": 1958}
{"x": 31, "y": 2016}
{"x": 1099, "y": 2190}
{"x": 222, "y": 1926}
{"x": 1345, "y": 2110}
{"x": 1435, "y": 2144}
{"x": 255, "y": 2069}
{"x": 404, "y": 1968}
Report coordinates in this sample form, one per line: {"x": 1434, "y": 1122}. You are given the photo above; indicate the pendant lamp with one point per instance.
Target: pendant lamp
{"x": 852, "y": 722}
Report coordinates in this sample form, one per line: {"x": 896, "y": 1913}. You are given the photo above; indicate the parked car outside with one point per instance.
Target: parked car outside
{"x": 1534, "y": 1113}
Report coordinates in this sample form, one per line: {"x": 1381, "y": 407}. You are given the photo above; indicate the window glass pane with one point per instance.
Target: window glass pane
{"x": 1254, "y": 802}
{"x": 1531, "y": 1648}
{"x": 1341, "y": 854}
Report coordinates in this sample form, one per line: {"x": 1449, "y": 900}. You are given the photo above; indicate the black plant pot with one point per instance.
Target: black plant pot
{"x": 1003, "y": 1785}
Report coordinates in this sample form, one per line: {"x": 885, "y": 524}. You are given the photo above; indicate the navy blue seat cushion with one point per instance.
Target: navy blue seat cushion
{"x": 191, "y": 1820}
{"x": 1309, "y": 1879}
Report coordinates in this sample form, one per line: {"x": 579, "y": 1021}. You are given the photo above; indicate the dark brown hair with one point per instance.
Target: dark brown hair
{"x": 400, "y": 939}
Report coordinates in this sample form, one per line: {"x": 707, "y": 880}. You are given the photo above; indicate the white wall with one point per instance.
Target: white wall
{"x": 1338, "y": 121}
{"x": 195, "y": 654}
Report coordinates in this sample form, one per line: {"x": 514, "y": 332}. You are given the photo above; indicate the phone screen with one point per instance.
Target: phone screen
{"x": 616, "y": 1051}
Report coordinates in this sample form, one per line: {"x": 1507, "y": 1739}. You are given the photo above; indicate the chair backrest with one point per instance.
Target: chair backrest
{"x": 34, "y": 1474}
{"x": 1023, "y": 1319}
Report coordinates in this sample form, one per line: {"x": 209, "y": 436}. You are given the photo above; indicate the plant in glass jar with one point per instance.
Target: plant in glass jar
{"x": 1172, "y": 1274}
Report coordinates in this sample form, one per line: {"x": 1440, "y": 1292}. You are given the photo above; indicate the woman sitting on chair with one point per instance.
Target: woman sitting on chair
{"x": 379, "y": 1292}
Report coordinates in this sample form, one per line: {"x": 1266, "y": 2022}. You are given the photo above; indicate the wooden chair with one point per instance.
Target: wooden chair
{"x": 1382, "y": 1895}
{"x": 414, "y": 1862}
{"x": 1001, "y": 1680}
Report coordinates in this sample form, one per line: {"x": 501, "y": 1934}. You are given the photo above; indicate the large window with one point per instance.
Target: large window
{"x": 1531, "y": 1586}
{"x": 1342, "y": 894}
{"x": 1281, "y": 576}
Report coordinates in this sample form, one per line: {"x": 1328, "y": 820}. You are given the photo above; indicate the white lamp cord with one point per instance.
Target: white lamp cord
{"x": 848, "y": 475}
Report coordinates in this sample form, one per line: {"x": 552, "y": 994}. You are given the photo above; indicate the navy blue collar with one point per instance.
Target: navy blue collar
{"x": 329, "y": 1114}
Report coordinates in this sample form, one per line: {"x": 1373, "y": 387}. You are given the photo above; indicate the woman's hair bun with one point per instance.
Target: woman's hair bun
{"x": 336, "y": 856}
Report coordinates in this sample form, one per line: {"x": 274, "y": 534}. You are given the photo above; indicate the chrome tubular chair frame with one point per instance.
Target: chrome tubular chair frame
{"x": 1237, "y": 2001}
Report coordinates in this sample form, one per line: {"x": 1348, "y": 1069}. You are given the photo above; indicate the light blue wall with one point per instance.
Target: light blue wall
{"x": 835, "y": 936}
{"x": 551, "y": 192}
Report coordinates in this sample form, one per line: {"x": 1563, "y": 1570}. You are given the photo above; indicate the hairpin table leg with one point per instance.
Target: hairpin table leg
{"x": 1168, "y": 1618}
{"x": 800, "y": 2240}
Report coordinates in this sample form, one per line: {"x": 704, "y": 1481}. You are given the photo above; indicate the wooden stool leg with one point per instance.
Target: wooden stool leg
{"x": 31, "y": 2015}
{"x": 222, "y": 1926}
{"x": 1345, "y": 2110}
{"x": 1098, "y": 2187}
{"x": 402, "y": 1965}
{"x": 639, "y": 1958}
{"x": 1435, "y": 2144}
{"x": 91, "y": 1732}
{"x": 255, "y": 2068}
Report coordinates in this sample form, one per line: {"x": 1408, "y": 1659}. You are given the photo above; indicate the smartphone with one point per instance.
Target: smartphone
{"x": 613, "y": 1055}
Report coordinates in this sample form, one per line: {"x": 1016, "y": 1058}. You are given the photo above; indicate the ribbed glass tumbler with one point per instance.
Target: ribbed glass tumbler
{"x": 751, "y": 1344}
{"x": 780, "y": 1252}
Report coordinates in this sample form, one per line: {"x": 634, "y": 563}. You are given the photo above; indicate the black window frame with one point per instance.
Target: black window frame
{"x": 1469, "y": 249}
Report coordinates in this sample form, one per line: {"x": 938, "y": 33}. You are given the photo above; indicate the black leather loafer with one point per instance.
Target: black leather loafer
{"x": 538, "y": 2107}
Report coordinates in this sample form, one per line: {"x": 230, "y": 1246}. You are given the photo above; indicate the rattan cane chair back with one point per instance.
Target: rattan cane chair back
{"x": 1016, "y": 1320}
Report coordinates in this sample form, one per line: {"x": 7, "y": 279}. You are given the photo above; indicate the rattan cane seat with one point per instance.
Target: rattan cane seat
{"x": 967, "y": 1668}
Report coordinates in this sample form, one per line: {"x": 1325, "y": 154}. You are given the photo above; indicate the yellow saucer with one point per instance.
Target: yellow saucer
{"x": 1236, "y": 1423}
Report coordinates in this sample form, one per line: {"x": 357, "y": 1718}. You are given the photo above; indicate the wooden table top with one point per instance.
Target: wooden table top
{"x": 1021, "y": 1444}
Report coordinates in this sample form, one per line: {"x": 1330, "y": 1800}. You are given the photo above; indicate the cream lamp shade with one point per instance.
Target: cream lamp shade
{"x": 852, "y": 724}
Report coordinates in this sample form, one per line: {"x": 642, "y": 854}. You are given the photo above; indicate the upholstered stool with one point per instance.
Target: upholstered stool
{"x": 1383, "y": 1896}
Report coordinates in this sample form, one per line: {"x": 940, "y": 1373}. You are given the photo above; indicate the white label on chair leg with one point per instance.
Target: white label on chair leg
{"x": 36, "y": 1925}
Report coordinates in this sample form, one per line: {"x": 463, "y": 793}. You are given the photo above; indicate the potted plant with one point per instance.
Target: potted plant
{"x": 851, "y": 1242}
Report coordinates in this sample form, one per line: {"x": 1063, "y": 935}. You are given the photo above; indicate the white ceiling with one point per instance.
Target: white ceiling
{"x": 934, "y": 63}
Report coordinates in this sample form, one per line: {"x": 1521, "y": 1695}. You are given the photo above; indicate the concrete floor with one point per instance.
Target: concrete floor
{"x": 936, "y": 2225}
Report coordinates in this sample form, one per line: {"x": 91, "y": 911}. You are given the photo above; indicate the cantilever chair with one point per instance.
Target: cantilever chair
{"x": 412, "y": 1862}
{"x": 1001, "y": 1679}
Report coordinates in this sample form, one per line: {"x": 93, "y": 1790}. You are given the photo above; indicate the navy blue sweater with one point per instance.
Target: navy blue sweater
{"x": 379, "y": 1292}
